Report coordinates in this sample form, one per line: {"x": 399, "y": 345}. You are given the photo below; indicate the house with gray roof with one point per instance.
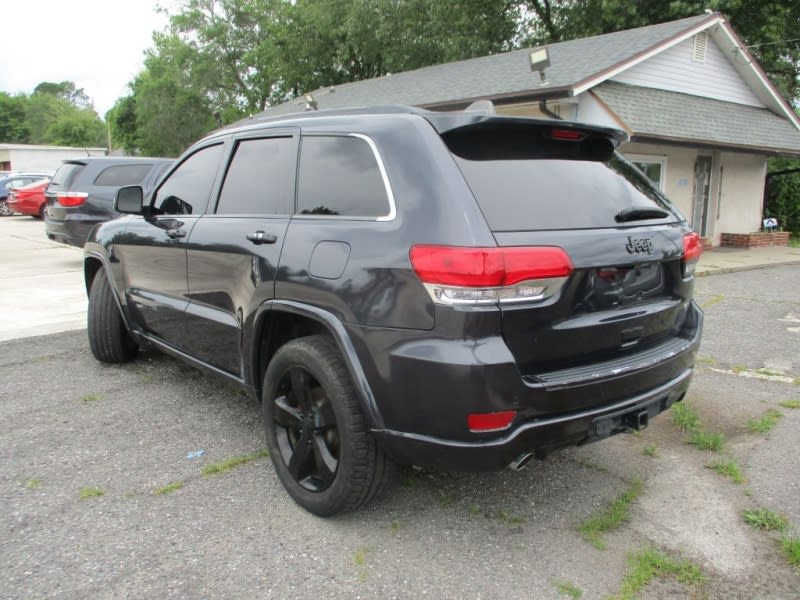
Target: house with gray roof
{"x": 701, "y": 115}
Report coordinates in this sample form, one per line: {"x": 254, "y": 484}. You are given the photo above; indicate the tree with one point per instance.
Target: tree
{"x": 77, "y": 128}
{"x": 66, "y": 90}
{"x": 13, "y": 128}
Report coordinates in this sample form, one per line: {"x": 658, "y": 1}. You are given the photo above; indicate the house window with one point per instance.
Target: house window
{"x": 655, "y": 167}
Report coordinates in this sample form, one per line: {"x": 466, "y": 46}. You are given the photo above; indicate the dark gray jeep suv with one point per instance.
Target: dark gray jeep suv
{"x": 451, "y": 290}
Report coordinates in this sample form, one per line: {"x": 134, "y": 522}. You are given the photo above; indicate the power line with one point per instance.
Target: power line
{"x": 773, "y": 43}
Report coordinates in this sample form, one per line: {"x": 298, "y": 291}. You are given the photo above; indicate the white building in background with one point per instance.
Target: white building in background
{"x": 40, "y": 159}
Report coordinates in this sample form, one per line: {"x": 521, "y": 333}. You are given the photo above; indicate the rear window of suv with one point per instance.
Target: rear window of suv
{"x": 537, "y": 183}
{"x": 65, "y": 175}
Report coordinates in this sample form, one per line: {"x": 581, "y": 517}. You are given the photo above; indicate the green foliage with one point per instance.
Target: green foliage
{"x": 231, "y": 463}
{"x": 683, "y": 417}
{"x": 766, "y": 422}
{"x": 729, "y": 468}
{"x": 790, "y": 403}
{"x": 90, "y": 492}
{"x": 571, "y": 590}
{"x": 783, "y": 194}
{"x": 611, "y": 517}
{"x": 13, "y": 128}
{"x": 763, "y": 518}
{"x": 703, "y": 440}
{"x": 645, "y": 565}
{"x": 168, "y": 489}
{"x": 790, "y": 544}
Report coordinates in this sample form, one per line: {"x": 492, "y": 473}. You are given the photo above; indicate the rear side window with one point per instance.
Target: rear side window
{"x": 120, "y": 175}
{"x": 65, "y": 176}
{"x": 260, "y": 179}
{"x": 339, "y": 175}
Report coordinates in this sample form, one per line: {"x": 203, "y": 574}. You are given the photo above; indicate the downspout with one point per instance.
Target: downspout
{"x": 544, "y": 110}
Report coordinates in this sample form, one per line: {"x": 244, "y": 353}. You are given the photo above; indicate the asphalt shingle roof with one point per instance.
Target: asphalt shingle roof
{"x": 496, "y": 75}
{"x": 663, "y": 114}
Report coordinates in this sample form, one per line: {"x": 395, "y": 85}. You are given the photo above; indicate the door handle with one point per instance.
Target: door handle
{"x": 259, "y": 237}
{"x": 176, "y": 233}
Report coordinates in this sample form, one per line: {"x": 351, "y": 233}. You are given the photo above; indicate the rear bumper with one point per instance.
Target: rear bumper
{"x": 538, "y": 437}
{"x": 430, "y": 387}
{"x": 73, "y": 232}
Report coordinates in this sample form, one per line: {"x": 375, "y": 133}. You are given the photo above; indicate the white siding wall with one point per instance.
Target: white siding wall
{"x": 591, "y": 111}
{"x": 675, "y": 70}
{"x": 44, "y": 159}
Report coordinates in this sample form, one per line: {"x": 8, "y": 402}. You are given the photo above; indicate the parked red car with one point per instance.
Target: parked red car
{"x": 29, "y": 199}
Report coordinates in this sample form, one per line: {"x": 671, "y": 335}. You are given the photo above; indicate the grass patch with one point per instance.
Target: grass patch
{"x": 569, "y": 589}
{"x": 645, "y": 565}
{"x": 593, "y": 466}
{"x": 650, "y": 450}
{"x": 611, "y": 517}
{"x": 702, "y": 440}
{"x": 729, "y": 468}
{"x": 767, "y": 421}
{"x": 445, "y": 500}
{"x": 712, "y": 301}
{"x": 791, "y": 549}
{"x": 510, "y": 519}
{"x": 34, "y": 483}
{"x": 360, "y": 557}
{"x": 763, "y": 518}
{"x": 705, "y": 360}
{"x": 88, "y": 398}
{"x": 90, "y": 492}
{"x": 770, "y": 372}
{"x": 790, "y": 403}
{"x": 395, "y": 526}
{"x": 231, "y": 463}
{"x": 169, "y": 488}
{"x": 684, "y": 417}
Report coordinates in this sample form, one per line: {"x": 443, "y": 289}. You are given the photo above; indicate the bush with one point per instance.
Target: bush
{"x": 783, "y": 195}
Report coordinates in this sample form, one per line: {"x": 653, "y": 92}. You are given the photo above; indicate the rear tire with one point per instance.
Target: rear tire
{"x": 316, "y": 431}
{"x": 43, "y": 211}
{"x": 5, "y": 211}
{"x": 109, "y": 339}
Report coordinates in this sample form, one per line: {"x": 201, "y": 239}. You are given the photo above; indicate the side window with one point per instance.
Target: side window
{"x": 340, "y": 176}
{"x": 120, "y": 175}
{"x": 260, "y": 179}
{"x": 187, "y": 189}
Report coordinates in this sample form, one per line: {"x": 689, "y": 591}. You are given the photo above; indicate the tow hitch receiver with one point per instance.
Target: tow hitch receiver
{"x": 631, "y": 419}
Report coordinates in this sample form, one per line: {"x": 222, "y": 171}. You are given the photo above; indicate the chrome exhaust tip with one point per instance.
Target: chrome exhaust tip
{"x": 521, "y": 461}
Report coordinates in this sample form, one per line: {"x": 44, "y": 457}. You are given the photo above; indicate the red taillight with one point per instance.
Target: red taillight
{"x": 567, "y": 134}
{"x": 495, "y": 421}
{"x": 488, "y": 267}
{"x": 692, "y": 249}
{"x": 71, "y": 198}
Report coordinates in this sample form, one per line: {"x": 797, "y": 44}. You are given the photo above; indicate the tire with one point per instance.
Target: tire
{"x": 109, "y": 339}
{"x": 5, "y": 211}
{"x": 43, "y": 211}
{"x": 316, "y": 430}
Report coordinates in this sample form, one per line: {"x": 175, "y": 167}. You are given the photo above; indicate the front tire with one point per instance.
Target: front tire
{"x": 109, "y": 339}
{"x": 5, "y": 211}
{"x": 316, "y": 430}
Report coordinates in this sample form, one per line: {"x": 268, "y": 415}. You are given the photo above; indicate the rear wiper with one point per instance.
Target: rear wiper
{"x": 640, "y": 214}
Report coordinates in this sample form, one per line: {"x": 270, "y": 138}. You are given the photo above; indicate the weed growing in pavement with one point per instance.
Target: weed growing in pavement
{"x": 360, "y": 557}
{"x": 34, "y": 483}
{"x": 767, "y": 421}
{"x": 684, "y": 417}
{"x": 702, "y": 440}
{"x": 770, "y": 372}
{"x": 569, "y": 589}
{"x": 790, "y": 403}
{"x": 705, "y": 360}
{"x": 610, "y": 517}
{"x": 763, "y": 518}
{"x": 87, "y": 398}
{"x": 738, "y": 369}
{"x": 445, "y": 500}
{"x": 231, "y": 463}
{"x": 790, "y": 544}
{"x": 650, "y": 450}
{"x": 593, "y": 466}
{"x": 729, "y": 468}
{"x": 395, "y": 526}
{"x": 474, "y": 510}
{"x": 645, "y": 565}
{"x": 170, "y": 487}
{"x": 510, "y": 519}
{"x": 712, "y": 301}
{"x": 90, "y": 492}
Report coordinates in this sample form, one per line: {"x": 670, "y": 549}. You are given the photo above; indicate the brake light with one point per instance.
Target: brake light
{"x": 465, "y": 275}
{"x": 71, "y": 198}
{"x": 495, "y": 421}
{"x": 567, "y": 134}
{"x": 692, "y": 249}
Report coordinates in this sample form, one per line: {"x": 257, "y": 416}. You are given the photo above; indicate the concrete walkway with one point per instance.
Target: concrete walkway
{"x": 42, "y": 289}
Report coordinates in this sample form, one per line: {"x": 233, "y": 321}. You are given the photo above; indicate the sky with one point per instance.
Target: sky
{"x": 98, "y": 44}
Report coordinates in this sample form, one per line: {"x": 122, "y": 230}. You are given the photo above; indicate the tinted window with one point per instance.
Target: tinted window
{"x": 187, "y": 188}
{"x": 340, "y": 176}
{"x": 65, "y": 175}
{"x": 525, "y": 195}
{"x": 122, "y": 175}
{"x": 260, "y": 178}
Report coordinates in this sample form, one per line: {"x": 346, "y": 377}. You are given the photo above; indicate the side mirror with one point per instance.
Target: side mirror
{"x": 129, "y": 200}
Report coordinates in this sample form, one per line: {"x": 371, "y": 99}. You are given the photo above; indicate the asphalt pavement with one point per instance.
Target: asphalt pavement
{"x": 104, "y": 496}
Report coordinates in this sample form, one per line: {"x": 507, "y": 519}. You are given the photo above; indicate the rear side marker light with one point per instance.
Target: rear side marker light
{"x": 472, "y": 276}
{"x": 494, "y": 421}
{"x": 71, "y": 198}
{"x": 692, "y": 249}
